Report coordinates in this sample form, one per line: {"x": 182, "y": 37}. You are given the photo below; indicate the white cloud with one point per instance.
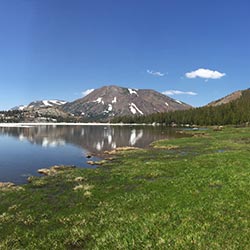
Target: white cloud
{"x": 205, "y": 73}
{"x": 178, "y": 92}
{"x": 88, "y": 91}
{"x": 155, "y": 73}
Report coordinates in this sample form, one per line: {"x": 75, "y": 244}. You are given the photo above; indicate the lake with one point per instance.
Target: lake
{"x": 23, "y": 150}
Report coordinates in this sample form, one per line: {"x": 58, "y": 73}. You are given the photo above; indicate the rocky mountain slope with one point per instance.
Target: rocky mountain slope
{"x": 229, "y": 98}
{"x": 110, "y": 101}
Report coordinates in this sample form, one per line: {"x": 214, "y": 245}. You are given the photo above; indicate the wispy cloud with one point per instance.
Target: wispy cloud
{"x": 86, "y": 92}
{"x": 205, "y": 73}
{"x": 178, "y": 92}
{"x": 155, "y": 73}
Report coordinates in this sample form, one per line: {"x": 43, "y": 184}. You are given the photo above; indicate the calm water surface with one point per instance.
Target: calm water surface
{"x": 23, "y": 150}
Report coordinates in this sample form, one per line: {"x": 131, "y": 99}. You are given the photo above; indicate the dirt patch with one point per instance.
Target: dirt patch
{"x": 54, "y": 169}
{"x": 9, "y": 186}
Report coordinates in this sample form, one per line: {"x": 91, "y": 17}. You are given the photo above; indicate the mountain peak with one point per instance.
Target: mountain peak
{"x": 109, "y": 101}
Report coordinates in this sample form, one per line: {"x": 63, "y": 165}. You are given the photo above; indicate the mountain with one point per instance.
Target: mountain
{"x": 232, "y": 109}
{"x": 39, "y": 111}
{"x": 227, "y": 99}
{"x": 40, "y": 104}
{"x": 110, "y": 101}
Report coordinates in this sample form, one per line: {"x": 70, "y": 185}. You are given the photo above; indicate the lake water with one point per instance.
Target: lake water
{"x": 23, "y": 150}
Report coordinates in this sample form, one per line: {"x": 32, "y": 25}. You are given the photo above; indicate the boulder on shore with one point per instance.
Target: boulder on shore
{"x": 88, "y": 155}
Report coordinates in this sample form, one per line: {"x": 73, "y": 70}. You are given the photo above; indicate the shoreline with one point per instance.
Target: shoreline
{"x": 33, "y": 124}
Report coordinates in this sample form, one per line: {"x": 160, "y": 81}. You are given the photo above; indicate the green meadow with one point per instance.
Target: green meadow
{"x": 187, "y": 193}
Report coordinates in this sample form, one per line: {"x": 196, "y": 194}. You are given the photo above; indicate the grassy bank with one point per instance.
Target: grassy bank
{"x": 188, "y": 193}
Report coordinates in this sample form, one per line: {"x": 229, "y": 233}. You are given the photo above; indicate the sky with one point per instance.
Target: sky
{"x": 195, "y": 51}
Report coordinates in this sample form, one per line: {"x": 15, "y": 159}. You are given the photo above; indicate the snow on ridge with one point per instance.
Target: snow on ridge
{"x": 46, "y": 103}
{"x": 52, "y": 102}
{"x": 178, "y": 101}
{"x": 166, "y": 104}
{"x": 133, "y": 108}
{"x": 57, "y": 102}
{"x": 131, "y": 91}
{"x": 114, "y": 100}
{"x": 22, "y": 107}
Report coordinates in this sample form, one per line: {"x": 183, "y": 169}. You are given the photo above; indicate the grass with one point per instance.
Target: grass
{"x": 188, "y": 193}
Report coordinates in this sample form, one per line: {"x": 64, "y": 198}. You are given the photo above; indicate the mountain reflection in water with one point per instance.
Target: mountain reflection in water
{"x": 23, "y": 150}
{"x": 91, "y": 138}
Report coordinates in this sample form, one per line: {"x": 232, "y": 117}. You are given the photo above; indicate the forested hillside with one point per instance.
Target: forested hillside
{"x": 234, "y": 112}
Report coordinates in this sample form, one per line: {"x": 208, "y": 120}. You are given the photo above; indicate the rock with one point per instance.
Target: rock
{"x": 88, "y": 155}
{"x": 30, "y": 179}
{"x": 45, "y": 171}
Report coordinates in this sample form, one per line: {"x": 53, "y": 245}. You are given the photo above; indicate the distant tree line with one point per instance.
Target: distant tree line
{"x": 235, "y": 112}
{"x": 15, "y": 116}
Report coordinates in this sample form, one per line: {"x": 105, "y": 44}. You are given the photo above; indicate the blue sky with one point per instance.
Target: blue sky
{"x": 57, "y": 49}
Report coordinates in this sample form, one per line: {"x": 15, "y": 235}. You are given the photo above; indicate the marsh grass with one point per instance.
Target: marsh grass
{"x": 159, "y": 198}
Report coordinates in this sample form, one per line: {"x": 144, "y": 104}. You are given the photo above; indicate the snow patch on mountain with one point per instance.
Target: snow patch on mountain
{"x": 131, "y": 91}
{"x": 50, "y": 103}
{"x": 133, "y": 108}
{"x": 114, "y": 100}
{"x": 22, "y": 107}
{"x": 110, "y": 107}
{"x": 99, "y": 100}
